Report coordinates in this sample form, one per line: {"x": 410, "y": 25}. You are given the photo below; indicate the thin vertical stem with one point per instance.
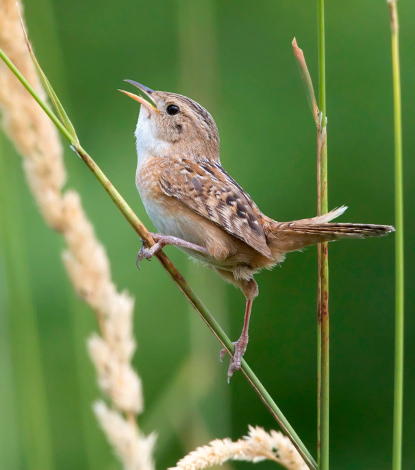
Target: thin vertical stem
{"x": 33, "y": 425}
{"x": 399, "y": 248}
{"x": 11, "y": 448}
{"x": 323, "y": 269}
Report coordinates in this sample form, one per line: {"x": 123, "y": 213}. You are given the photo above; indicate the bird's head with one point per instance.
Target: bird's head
{"x": 174, "y": 124}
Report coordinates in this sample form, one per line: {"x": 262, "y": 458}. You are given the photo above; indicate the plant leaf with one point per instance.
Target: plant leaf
{"x": 49, "y": 90}
{"x": 308, "y": 84}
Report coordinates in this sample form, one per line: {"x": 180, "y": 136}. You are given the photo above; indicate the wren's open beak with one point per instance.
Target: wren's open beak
{"x": 147, "y": 91}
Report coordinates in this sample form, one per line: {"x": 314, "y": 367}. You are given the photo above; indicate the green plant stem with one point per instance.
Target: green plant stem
{"x": 36, "y": 97}
{"x": 323, "y": 368}
{"x": 144, "y": 234}
{"x": 399, "y": 247}
{"x": 11, "y": 453}
{"x": 28, "y": 376}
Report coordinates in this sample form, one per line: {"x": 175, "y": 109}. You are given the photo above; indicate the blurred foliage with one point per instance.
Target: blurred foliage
{"x": 268, "y": 145}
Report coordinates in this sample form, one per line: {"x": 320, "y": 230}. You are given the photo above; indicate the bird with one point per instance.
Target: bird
{"x": 197, "y": 206}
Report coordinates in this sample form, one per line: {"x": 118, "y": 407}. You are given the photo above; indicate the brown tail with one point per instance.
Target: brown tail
{"x": 292, "y": 236}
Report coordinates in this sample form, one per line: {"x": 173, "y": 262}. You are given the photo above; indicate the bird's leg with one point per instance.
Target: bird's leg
{"x": 162, "y": 241}
{"x": 241, "y": 344}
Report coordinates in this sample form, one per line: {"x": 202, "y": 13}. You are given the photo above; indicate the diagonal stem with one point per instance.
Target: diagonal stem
{"x": 145, "y": 235}
{"x": 207, "y": 317}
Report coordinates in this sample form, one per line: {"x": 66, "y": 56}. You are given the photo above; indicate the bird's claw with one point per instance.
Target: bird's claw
{"x": 236, "y": 359}
{"x": 222, "y": 354}
{"x": 146, "y": 253}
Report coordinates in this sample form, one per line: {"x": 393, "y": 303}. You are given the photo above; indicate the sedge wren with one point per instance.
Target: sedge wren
{"x": 196, "y": 205}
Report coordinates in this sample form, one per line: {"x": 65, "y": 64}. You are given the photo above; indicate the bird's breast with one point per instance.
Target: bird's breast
{"x": 167, "y": 213}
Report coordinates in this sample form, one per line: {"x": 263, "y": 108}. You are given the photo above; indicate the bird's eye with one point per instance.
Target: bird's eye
{"x": 172, "y": 109}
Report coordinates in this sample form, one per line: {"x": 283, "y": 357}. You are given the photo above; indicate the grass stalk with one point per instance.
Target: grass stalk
{"x": 29, "y": 382}
{"x": 11, "y": 449}
{"x": 399, "y": 246}
{"x": 323, "y": 267}
{"x": 144, "y": 234}
{"x": 207, "y": 317}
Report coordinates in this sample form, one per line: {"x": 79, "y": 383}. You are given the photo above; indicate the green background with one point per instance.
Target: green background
{"x": 235, "y": 58}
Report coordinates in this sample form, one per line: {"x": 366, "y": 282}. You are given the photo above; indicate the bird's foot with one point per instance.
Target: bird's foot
{"x": 235, "y": 362}
{"x": 148, "y": 253}
{"x": 163, "y": 240}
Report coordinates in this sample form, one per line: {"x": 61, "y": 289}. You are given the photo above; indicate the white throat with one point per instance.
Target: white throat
{"x": 148, "y": 144}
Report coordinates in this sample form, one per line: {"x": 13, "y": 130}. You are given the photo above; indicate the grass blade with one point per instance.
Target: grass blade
{"x": 49, "y": 89}
{"x": 308, "y": 84}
